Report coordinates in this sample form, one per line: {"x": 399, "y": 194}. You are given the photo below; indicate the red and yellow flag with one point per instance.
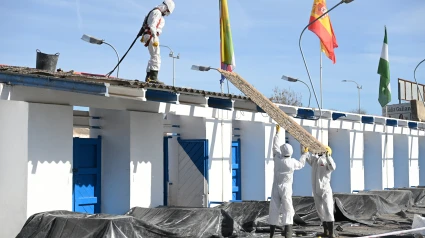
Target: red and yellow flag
{"x": 323, "y": 29}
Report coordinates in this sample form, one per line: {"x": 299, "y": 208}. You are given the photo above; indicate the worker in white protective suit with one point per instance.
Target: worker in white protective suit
{"x": 322, "y": 167}
{"x": 150, "y": 32}
{"x": 281, "y": 199}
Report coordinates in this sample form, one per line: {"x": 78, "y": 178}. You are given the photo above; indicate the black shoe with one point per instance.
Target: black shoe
{"x": 153, "y": 78}
{"x": 272, "y": 229}
{"x": 331, "y": 230}
{"x": 287, "y": 232}
{"x": 325, "y": 229}
{"x": 148, "y": 75}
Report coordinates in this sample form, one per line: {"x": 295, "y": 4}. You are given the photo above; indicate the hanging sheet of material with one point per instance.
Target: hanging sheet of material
{"x": 290, "y": 126}
{"x": 418, "y": 195}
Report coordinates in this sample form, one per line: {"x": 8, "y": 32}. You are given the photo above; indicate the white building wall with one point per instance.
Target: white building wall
{"x": 50, "y": 147}
{"x": 115, "y": 132}
{"x": 13, "y": 166}
{"x": 146, "y": 159}
{"x": 339, "y": 141}
{"x": 357, "y": 160}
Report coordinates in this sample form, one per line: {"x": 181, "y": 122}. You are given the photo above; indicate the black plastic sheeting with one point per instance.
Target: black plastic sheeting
{"x": 418, "y": 195}
{"x": 403, "y": 198}
{"x": 190, "y": 222}
{"x": 237, "y": 219}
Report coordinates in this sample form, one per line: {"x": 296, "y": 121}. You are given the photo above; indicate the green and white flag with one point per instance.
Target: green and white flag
{"x": 384, "y": 71}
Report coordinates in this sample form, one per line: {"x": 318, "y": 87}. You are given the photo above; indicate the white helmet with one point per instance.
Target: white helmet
{"x": 286, "y": 150}
{"x": 170, "y": 5}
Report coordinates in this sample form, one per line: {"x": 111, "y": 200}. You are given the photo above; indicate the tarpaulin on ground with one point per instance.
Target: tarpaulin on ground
{"x": 189, "y": 222}
{"x": 418, "y": 195}
{"x": 403, "y": 198}
{"x": 363, "y": 208}
{"x": 71, "y": 224}
{"x": 138, "y": 222}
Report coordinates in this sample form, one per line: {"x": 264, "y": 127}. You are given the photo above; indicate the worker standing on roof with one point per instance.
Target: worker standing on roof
{"x": 322, "y": 167}
{"x": 151, "y": 29}
{"x": 281, "y": 199}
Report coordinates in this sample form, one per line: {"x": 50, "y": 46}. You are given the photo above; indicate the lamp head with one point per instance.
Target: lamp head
{"x": 347, "y": 1}
{"x": 200, "y": 68}
{"x": 344, "y": 80}
{"x": 92, "y": 40}
{"x": 289, "y": 79}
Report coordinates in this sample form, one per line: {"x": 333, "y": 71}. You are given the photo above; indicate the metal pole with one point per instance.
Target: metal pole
{"x": 414, "y": 76}
{"x": 309, "y": 98}
{"x": 321, "y": 92}
{"x": 118, "y": 67}
{"x": 302, "y": 53}
{"x": 174, "y": 72}
{"x": 358, "y": 88}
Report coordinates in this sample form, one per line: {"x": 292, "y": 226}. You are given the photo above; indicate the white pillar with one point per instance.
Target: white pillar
{"x": 388, "y": 155}
{"x": 50, "y": 151}
{"x": 13, "y": 166}
{"x": 413, "y": 159}
{"x": 146, "y": 159}
{"x": 421, "y": 145}
{"x": 401, "y": 161}
{"x": 374, "y": 160}
{"x": 347, "y": 152}
{"x": 132, "y": 159}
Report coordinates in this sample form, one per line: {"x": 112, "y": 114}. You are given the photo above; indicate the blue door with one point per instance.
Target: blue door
{"x": 166, "y": 173}
{"x": 192, "y": 183}
{"x": 86, "y": 175}
{"x": 236, "y": 170}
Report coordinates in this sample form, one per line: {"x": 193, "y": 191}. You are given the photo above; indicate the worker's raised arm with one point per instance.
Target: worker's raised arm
{"x": 305, "y": 157}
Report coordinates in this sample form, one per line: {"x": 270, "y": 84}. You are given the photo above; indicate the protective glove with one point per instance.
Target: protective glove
{"x": 277, "y": 128}
{"x": 155, "y": 44}
{"x": 328, "y": 151}
{"x": 305, "y": 150}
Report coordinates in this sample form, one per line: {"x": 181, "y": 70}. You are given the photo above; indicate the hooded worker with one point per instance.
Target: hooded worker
{"x": 281, "y": 199}
{"x": 322, "y": 167}
{"x": 150, "y": 32}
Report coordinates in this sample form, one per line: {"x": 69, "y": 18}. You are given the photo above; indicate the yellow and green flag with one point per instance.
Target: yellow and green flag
{"x": 226, "y": 43}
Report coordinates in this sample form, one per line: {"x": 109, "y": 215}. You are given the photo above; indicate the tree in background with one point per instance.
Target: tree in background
{"x": 286, "y": 96}
{"x": 362, "y": 111}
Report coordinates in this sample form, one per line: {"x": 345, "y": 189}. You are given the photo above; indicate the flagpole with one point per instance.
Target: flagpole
{"x": 321, "y": 97}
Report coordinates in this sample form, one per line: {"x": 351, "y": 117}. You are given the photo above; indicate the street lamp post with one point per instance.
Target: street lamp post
{"x": 289, "y": 79}
{"x": 358, "y": 88}
{"x": 174, "y": 57}
{"x": 302, "y": 54}
{"x": 96, "y": 41}
{"x": 414, "y": 76}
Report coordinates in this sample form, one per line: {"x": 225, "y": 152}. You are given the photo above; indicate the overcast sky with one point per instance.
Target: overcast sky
{"x": 265, "y": 36}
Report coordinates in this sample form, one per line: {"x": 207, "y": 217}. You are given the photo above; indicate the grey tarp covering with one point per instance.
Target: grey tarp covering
{"x": 418, "y": 195}
{"x": 229, "y": 219}
{"x": 403, "y": 198}
{"x": 189, "y": 222}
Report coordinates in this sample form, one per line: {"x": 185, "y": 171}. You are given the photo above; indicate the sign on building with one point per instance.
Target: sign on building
{"x": 399, "y": 111}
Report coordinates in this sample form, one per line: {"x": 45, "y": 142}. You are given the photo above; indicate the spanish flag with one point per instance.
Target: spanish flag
{"x": 323, "y": 29}
{"x": 226, "y": 43}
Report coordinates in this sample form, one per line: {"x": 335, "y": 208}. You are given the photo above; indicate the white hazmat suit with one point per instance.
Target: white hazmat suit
{"x": 322, "y": 168}
{"x": 284, "y": 167}
{"x": 154, "y": 24}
